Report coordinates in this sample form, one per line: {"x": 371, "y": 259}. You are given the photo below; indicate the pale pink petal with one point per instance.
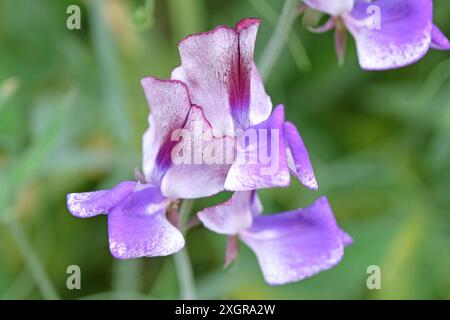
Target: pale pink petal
{"x": 218, "y": 68}
{"x": 207, "y": 60}
{"x": 170, "y": 105}
{"x": 199, "y": 161}
{"x": 257, "y": 106}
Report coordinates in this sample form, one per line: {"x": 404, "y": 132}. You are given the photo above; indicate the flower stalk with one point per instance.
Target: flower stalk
{"x": 181, "y": 258}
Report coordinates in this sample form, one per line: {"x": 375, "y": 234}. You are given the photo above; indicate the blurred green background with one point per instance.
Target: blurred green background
{"x": 72, "y": 113}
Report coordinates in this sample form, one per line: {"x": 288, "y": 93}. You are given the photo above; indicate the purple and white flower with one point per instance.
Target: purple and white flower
{"x": 217, "y": 91}
{"x": 402, "y": 35}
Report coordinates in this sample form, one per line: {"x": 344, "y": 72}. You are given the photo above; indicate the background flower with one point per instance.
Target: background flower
{"x": 388, "y": 33}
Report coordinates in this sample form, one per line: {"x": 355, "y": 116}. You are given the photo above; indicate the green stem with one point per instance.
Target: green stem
{"x": 185, "y": 212}
{"x": 185, "y": 275}
{"x": 32, "y": 261}
{"x": 278, "y": 39}
{"x": 182, "y": 261}
{"x": 126, "y": 277}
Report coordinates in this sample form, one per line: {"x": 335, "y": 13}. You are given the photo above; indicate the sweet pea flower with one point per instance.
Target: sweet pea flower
{"x": 217, "y": 87}
{"x": 388, "y": 33}
{"x": 222, "y": 79}
{"x": 137, "y": 212}
{"x": 289, "y": 246}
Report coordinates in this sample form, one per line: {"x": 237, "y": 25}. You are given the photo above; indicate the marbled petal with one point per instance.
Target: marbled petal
{"x": 200, "y": 162}
{"x": 138, "y": 227}
{"x": 251, "y": 103}
{"x": 170, "y": 105}
{"x": 294, "y": 245}
{"x": 218, "y": 68}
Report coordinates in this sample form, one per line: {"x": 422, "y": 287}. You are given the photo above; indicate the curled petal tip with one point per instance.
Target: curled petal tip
{"x": 245, "y": 23}
{"x": 311, "y": 183}
{"x": 298, "y": 157}
{"x": 89, "y": 204}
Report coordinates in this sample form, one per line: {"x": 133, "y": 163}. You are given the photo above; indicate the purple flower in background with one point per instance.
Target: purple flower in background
{"x": 218, "y": 70}
{"x": 290, "y": 246}
{"x": 388, "y": 33}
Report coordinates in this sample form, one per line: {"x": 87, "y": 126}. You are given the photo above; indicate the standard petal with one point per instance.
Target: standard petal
{"x": 298, "y": 157}
{"x": 231, "y": 216}
{"x": 438, "y": 39}
{"x": 200, "y": 162}
{"x": 294, "y": 245}
{"x": 170, "y": 105}
{"x": 331, "y": 7}
{"x": 390, "y": 33}
{"x": 89, "y": 204}
{"x": 138, "y": 227}
{"x": 257, "y": 106}
{"x": 261, "y": 160}
{"x": 219, "y": 71}
{"x": 207, "y": 60}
